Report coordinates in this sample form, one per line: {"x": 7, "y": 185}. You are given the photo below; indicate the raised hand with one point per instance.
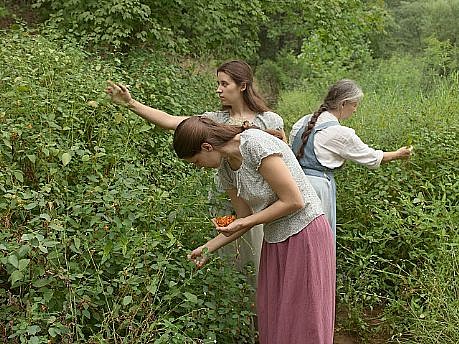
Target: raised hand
{"x": 119, "y": 93}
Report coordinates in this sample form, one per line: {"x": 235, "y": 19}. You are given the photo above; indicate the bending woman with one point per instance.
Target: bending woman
{"x": 266, "y": 185}
{"x": 240, "y": 103}
{"x": 322, "y": 144}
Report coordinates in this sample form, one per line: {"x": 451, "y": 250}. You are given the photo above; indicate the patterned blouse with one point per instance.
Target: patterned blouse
{"x": 263, "y": 120}
{"x": 250, "y": 185}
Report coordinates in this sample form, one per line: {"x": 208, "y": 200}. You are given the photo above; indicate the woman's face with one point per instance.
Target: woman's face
{"x": 228, "y": 91}
{"x": 208, "y": 157}
{"x": 349, "y": 107}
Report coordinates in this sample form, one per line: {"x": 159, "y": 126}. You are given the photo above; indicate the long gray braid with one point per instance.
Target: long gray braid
{"x": 340, "y": 92}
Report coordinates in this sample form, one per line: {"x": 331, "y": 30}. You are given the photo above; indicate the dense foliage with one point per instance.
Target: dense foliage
{"x": 192, "y": 27}
{"x": 422, "y": 26}
{"x": 305, "y": 40}
{"x": 323, "y": 33}
{"x": 95, "y": 222}
{"x": 397, "y": 226}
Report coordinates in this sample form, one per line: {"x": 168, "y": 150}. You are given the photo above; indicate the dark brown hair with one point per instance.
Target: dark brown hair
{"x": 241, "y": 73}
{"x": 192, "y": 132}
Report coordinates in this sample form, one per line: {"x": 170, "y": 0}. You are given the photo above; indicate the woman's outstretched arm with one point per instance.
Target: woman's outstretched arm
{"x": 401, "y": 153}
{"x": 120, "y": 95}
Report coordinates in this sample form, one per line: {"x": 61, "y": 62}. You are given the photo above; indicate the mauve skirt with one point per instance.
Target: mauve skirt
{"x": 296, "y": 287}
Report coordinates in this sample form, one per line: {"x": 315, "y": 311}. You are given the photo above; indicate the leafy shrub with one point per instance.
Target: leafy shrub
{"x": 286, "y": 72}
{"x": 97, "y": 214}
{"x": 440, "y": 59}
{"x": 412, "y": 23}
{"x": 186, "y": 27}
{"x": 410, "y": 210}
{"x": 429, "y": 313}
{"x": 397, "y": 222}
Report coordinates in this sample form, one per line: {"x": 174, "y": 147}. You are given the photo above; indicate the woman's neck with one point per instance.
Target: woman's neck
{"x": 232, "y": 152}
{"x": 241, "y": 112}
{"x": 335, "y": 113}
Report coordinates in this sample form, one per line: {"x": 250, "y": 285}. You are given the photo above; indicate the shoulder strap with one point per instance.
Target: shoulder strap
{"x": 296, "y": 144}
{"x": 326, "y": 125}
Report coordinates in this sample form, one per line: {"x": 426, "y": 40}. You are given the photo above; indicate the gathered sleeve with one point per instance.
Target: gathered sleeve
{"x": 254, "y": 151}
{"x": 350, "y": 147}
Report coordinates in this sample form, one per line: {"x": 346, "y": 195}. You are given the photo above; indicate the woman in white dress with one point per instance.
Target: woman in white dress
{"x": 266, "y": 185}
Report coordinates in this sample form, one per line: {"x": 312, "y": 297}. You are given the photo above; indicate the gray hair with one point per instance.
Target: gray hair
{"x": 344, "y": 90}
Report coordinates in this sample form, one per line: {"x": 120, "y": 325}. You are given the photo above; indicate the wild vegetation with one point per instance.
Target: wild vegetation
{"x": 397, "y": 226}
{"x": 97, "y": 215}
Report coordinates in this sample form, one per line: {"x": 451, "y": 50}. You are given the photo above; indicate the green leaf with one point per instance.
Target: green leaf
{"x": 23, "y": 263}
{"x": 16, "y": 276}
{"x": 127, "y": 300}
{"x": 18, "y": 175}
{"x": 34, "y": 329}
{"x": 41, "y": 283}
{"x": 52, "y": 332}
{"x": 32, "y": 158}
{"x": 144, "y": 128}
{"x": 13, "y": 260}
{"x": 34, "y": 340}
{"x": 7, "y": 143}
{"x": 28, "y": 236}
{"x": 77, "y": 242}
{"x": 56, "y": 226}
{"x": 151, "y": 288}
{"x": 45, "y": 216}
{"x": 66, "y": 157}
{"x": 191, "y": 297}
{"x": 30, "y": 206}
{"x": 107, "y": 249}
{"x": 43, "y": 249}
{"x": 86, "y": 313}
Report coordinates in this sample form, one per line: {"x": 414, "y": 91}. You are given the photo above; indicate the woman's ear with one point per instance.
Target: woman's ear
{"x": 207, "y": 147}
{"x": 243, "y": 86}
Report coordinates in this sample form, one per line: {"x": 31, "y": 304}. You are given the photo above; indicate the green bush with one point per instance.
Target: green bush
{"x": 397, "y": 225}
{"x": 183, "y": 26}
{"x": 97, "y": 214}
{"x": 440, "y": 59}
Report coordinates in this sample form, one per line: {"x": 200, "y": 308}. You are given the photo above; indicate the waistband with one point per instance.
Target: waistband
{"x": 328, "y": 174}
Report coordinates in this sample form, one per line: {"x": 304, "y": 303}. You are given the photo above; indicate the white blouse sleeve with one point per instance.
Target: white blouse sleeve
{"x": 351, "y": 147}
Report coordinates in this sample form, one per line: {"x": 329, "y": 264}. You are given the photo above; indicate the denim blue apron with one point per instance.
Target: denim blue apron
{"x": 321, "y": 177}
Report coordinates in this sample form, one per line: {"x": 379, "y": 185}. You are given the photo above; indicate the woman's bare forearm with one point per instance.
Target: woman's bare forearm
{"x": 155, "y": 116}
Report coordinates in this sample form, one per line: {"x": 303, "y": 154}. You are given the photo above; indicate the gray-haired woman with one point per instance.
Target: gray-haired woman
{"x": 322, "y": 144}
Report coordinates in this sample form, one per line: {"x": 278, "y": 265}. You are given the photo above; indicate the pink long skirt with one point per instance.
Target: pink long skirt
{"x": 296, "y": 288}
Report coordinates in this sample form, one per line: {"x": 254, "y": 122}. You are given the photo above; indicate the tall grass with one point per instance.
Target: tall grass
{"x": 397, "y": 226}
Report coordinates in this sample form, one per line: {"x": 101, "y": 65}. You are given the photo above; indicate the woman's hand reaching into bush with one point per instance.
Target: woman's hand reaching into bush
{"x": 199, "y": 257}
{"x": 405, "y": 152}
{"x": 119, "y": 93}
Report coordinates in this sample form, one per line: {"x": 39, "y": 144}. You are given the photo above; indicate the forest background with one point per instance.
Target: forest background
{"x": 97, "y": 214}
